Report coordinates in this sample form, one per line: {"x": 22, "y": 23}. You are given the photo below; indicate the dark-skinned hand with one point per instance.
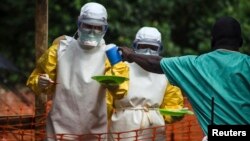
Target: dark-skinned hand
{"x": 126, "y": 54}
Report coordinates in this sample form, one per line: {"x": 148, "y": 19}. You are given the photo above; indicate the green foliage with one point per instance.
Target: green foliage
{"x": 17, "y": 33}
{"x": 185, "y": 24}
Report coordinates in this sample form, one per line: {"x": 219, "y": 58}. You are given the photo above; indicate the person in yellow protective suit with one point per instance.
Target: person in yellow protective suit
{"x": 217, "y": 83}
{"x": 147, "y": 92}
{"x": 65, "y": 70}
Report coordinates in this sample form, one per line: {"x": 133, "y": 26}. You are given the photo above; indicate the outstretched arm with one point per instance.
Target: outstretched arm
{"x": 148, "y": 62}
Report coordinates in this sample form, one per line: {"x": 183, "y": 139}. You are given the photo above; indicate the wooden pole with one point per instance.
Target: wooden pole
{"x": 41, "y": 39}
{"x": 41, "y": 44}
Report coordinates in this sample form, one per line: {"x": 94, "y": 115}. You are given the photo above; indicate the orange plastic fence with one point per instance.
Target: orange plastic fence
{"x": 17, "y": 123}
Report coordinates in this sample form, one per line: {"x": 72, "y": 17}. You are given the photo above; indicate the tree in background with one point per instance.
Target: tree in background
{"x": 185, "y": 25}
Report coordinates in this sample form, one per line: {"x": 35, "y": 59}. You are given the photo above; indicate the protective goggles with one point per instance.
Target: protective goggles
{"x": 96, "y": 29}
{"x": 147, "y": 51}
{"x": 98, "y": 26}
{"x": 147, "y": 43}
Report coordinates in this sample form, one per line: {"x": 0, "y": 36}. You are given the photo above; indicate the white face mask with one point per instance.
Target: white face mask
{"x": 89, "y": 40}
{"x": 146, "y": 51}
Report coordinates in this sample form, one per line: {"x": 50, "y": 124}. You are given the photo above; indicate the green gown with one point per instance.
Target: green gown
{"x": 222, "y": 74}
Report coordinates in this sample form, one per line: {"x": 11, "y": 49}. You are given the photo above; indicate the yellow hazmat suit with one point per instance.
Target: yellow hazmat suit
{"x": 138, "y": 109}
{"x": 79, "y": 102}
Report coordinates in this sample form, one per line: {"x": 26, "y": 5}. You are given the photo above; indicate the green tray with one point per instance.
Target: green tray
{"x": 110, "y": 79}
{"x": 175, "y": 112}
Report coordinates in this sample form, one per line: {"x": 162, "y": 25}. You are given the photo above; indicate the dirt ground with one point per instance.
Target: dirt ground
{"x": 22, "y": 104}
